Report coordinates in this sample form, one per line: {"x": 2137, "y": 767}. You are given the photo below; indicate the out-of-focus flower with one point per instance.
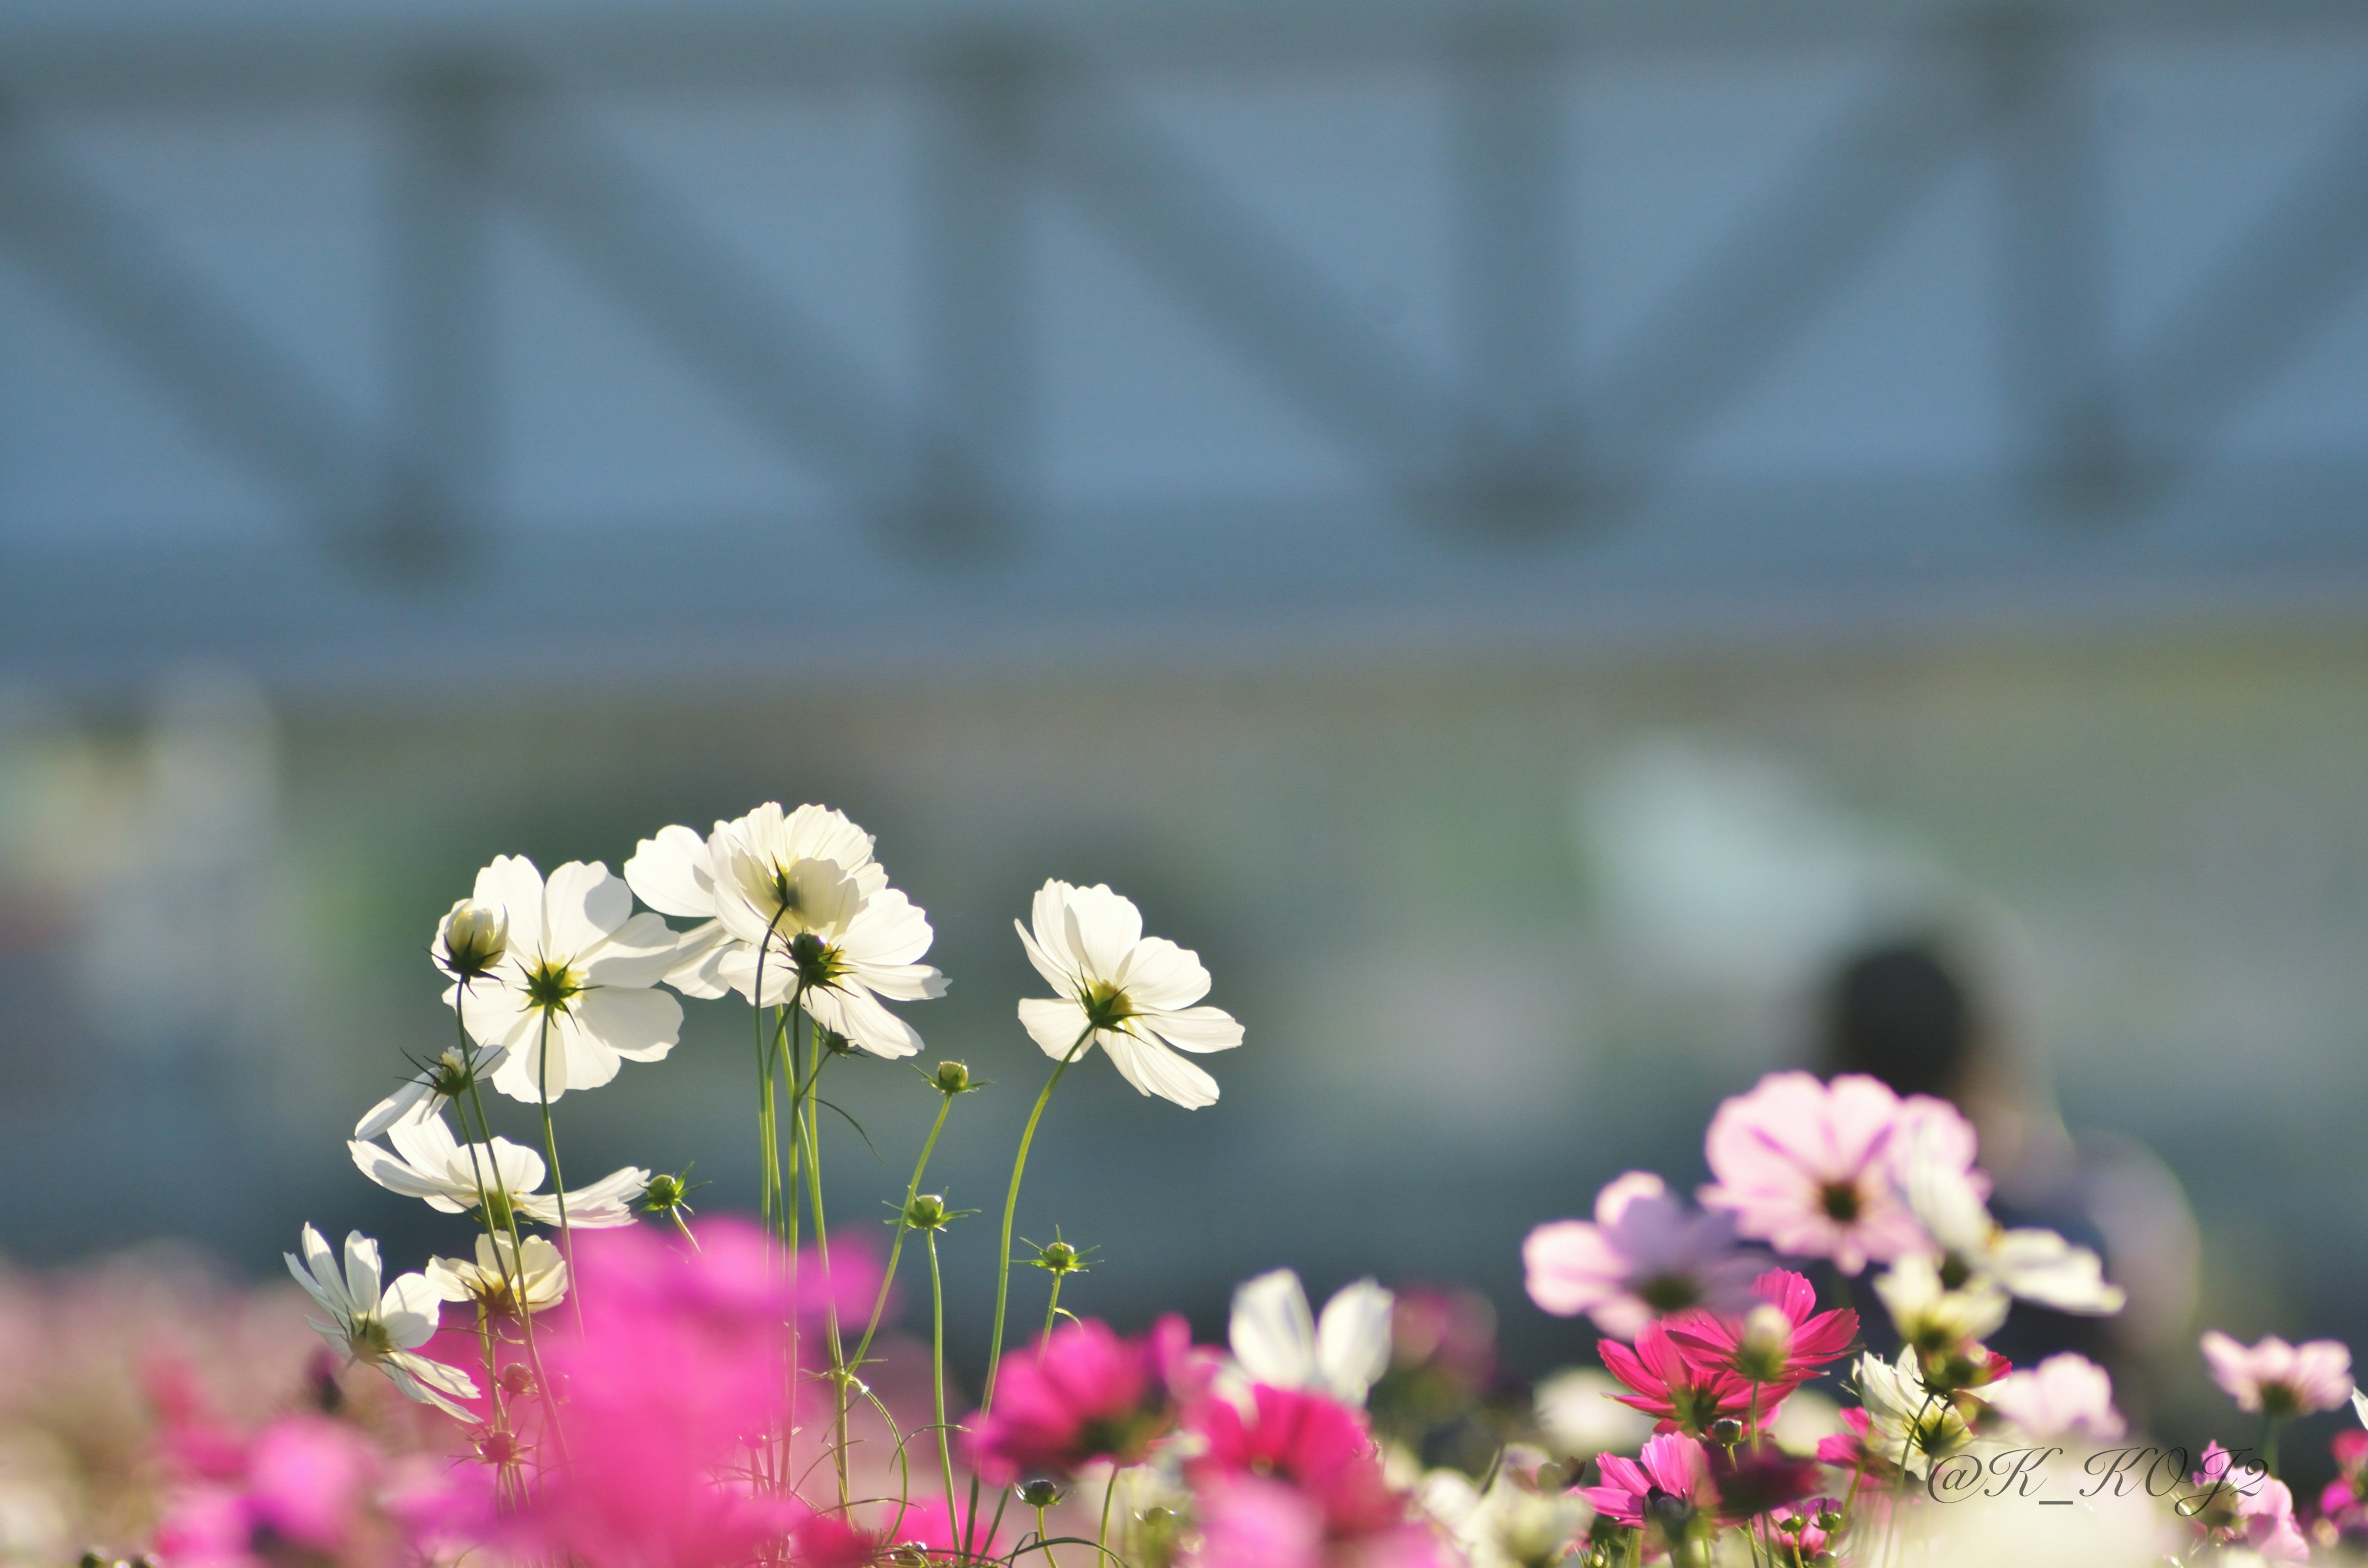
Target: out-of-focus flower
{"x": 1084, "y": 1394}
{"x": 1809, "y": 1167}
{"x": 2279, "y": 1379}
{"x": 1848, "y": 1449}
{"x": 2033, "y": 1264}
{"x": 2064, "y": 1396}
{"x": 1686, "y": 1395}
{"x": 793, "y": 905}
{"x": 2240, "y": 1504}
{"x": 500, "y": 1274}
{"x": 1643, "y": 1256}
{"x": 1132, "y": 995}
{"x": 1517, "y": 1522}
{"x": 304, "y": 1485}
{"x": 1294, "y": 1481}
{"x": 2344, "y": 1503}
{"x": 428, "y": 1091}
{"x": 677, "y": 1367}
{"x": 384, "y": 1330}
{"x": 1933, "y": 1318}
{"x": 571, "y": 997}
{"x": 430, "y": 1164}
{"x": 1668, "y": 1485}
{"x": 926, "y": 1525}
{"x": 1781, "y": 1339}
{"x": 1578, "y": 1411}
{"x": 1797, "y": 1531}
{"x": 1277, "y": 1340}
{"x": 1909, "y": 1425}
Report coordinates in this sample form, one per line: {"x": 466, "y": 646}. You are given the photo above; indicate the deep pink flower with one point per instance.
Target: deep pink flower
{"x": 1295, "y": 1481}
{"x": 1668, "y": 1481}
{"x": 1810, "y": 1167}
{"x": 1685, "y": 1395}
{"x": 2236, "y": 1503}
{"x": 678, "y": 1370}
{"x": 1087, "y": 1394}
{"x": 306, "y": 1485}
{"x": 1643, "y": 1255}
{"x": 926, "y": 1524}
{"x": 2344, "y": 1503}
{"x": 2281, "y": 1379}
{"x": 1783, "y": 1339}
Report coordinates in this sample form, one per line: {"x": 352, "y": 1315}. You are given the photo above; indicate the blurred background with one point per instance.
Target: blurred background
{"x": 1529, "y": 535}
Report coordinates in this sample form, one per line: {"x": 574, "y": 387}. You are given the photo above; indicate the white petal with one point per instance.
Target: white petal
{"x": 1352, "y": 1341}
{"x": 513, "y": 885}
{"x": 1054, "y": 1026}
{"x": 1047, "y": 935}
{"x": 1196, "y": 1028}
{"x": 581, "y": 905}
{"x": 695, "y": 960}
{"x": 669, "y": 874}
{"x": 900, "y": 983}
{"x": 317, "y": 1272}
{"x": 643, "y": 1025}
{"x": 401, "y": 1106}
{"x": 853, "y": 1012}
{"x": 409, "y": 1310}
{"x": 1272, "y": 1332}
{"x": 417, "y": 1377}
{"x": 1153, "y": 1069}
{"x": 361, "y": 1271}
{"x": 397, "y": 1177}
{"x": 2042, "y": 1266}
{"x": 1160, "y": 976}
{"x": 1102, "y": 928}
{"x": 639, "y": 953}
{"x": 889, "y": 929}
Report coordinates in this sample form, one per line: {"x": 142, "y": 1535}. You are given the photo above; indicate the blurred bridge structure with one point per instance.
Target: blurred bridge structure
{"x": 421, "y": 339}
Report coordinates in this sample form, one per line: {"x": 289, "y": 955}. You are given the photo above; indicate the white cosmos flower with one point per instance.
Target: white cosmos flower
{"x": 1277, "y": 1340}
{"x": 797, "y": 896}
{"x": 1133, "y": 993}
{"x": 384, "y": 1330}
{"x": 496, "y": 1277}
{"x": 1931, "y": 1316}
{"x": 430, "y": 1164}
{"x": 571, "y": 996}
{"x": 2035, "y": 1264}
{"x": 428, "y": 1091}
{"x": 1907, "y": 1424}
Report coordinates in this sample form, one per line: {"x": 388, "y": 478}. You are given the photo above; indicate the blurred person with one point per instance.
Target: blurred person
{"x": 1900, "y": 1010}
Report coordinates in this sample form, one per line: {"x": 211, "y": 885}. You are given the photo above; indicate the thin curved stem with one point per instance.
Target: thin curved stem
{"x": 937, "y": 1376}
{"x": 1011, "y": 1209}
{"x": 896, "y": 1247}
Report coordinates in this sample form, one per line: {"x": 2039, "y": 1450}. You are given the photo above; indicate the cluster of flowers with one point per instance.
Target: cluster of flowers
{"x": 707, "y": 1398}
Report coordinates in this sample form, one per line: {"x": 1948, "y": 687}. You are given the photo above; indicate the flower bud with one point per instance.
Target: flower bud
{"x": 1038, "y": 1494}
{"x": 952, "y": 1077}
{"x": 663, "y": 1194}
{"x": 1727, "y": 1431}
{"x": 1766, "y": 1345}
{"x": 474, "y": 937}
{"x": 518, "y": 1379}
{"x": 1828, "y": 1520}
{"x": 1059, "y": 1258}
{"x": 927, "y": 1211}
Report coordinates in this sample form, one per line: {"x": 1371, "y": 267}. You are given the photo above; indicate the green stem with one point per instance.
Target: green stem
{"x": 558, "y": 1182}
{"x": 1052, "y": 1311}
{"x": 2269, "y": 1444}
{"x": 811, "y": 1141}
{"x": 1044, "y": 1542}
{"x": 1010, "y": 1210}
{"x": 938, "y": 1379}
{"x": 1110, "y": 1490}
{"x": 896, "y": 1247}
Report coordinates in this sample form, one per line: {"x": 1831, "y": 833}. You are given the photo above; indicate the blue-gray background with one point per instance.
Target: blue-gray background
{"x": 1520, "y": 532}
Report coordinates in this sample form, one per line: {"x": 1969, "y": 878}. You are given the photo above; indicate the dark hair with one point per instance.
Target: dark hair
{"x": 1895, "y": 1011}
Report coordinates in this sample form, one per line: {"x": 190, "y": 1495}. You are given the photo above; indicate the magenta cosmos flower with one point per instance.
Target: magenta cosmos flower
{"x": 2239, "y": 1505}
{"x": 1645, "y": 1255}
{"x": 1684, "y": 1394}
{"x": 1783, "y": 1339}
{"x": 1086, "y": 1394}
{"x": 2279, "y": 1379}
{"x": 1810, "y": 1167}
{"x": 1294, "y": 1481}
{"x": 2063, "y": 1396}
{"x": 1669, "y": 1479}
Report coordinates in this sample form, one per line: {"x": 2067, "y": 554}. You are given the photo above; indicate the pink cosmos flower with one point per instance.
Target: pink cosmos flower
{"x": 1669, "y": 1481}
{"x": 1086, "y": 1395}
{"x": 1810, "y": 1166}
{"x": 2063, "y": 1396}
{"x": 306, "y": 1486}
{"x": 927, "y": 1525}
{"x": 1783, "y": 1339}
{"x": 2344, "y": 1503}
{"x": 2239, "y": 1504}
{"x": 2279, "y": 1379}
{"x": 1295, "y": 1481}
{"x": 677, "y": 1373}
{"x": 1795, "y": 1528}
{"x": 1687, "y": 1396}
{"x": 1643, "y": 1256}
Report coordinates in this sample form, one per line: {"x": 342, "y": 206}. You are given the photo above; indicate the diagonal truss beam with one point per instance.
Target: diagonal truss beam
{"x": 254, "y": 403}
